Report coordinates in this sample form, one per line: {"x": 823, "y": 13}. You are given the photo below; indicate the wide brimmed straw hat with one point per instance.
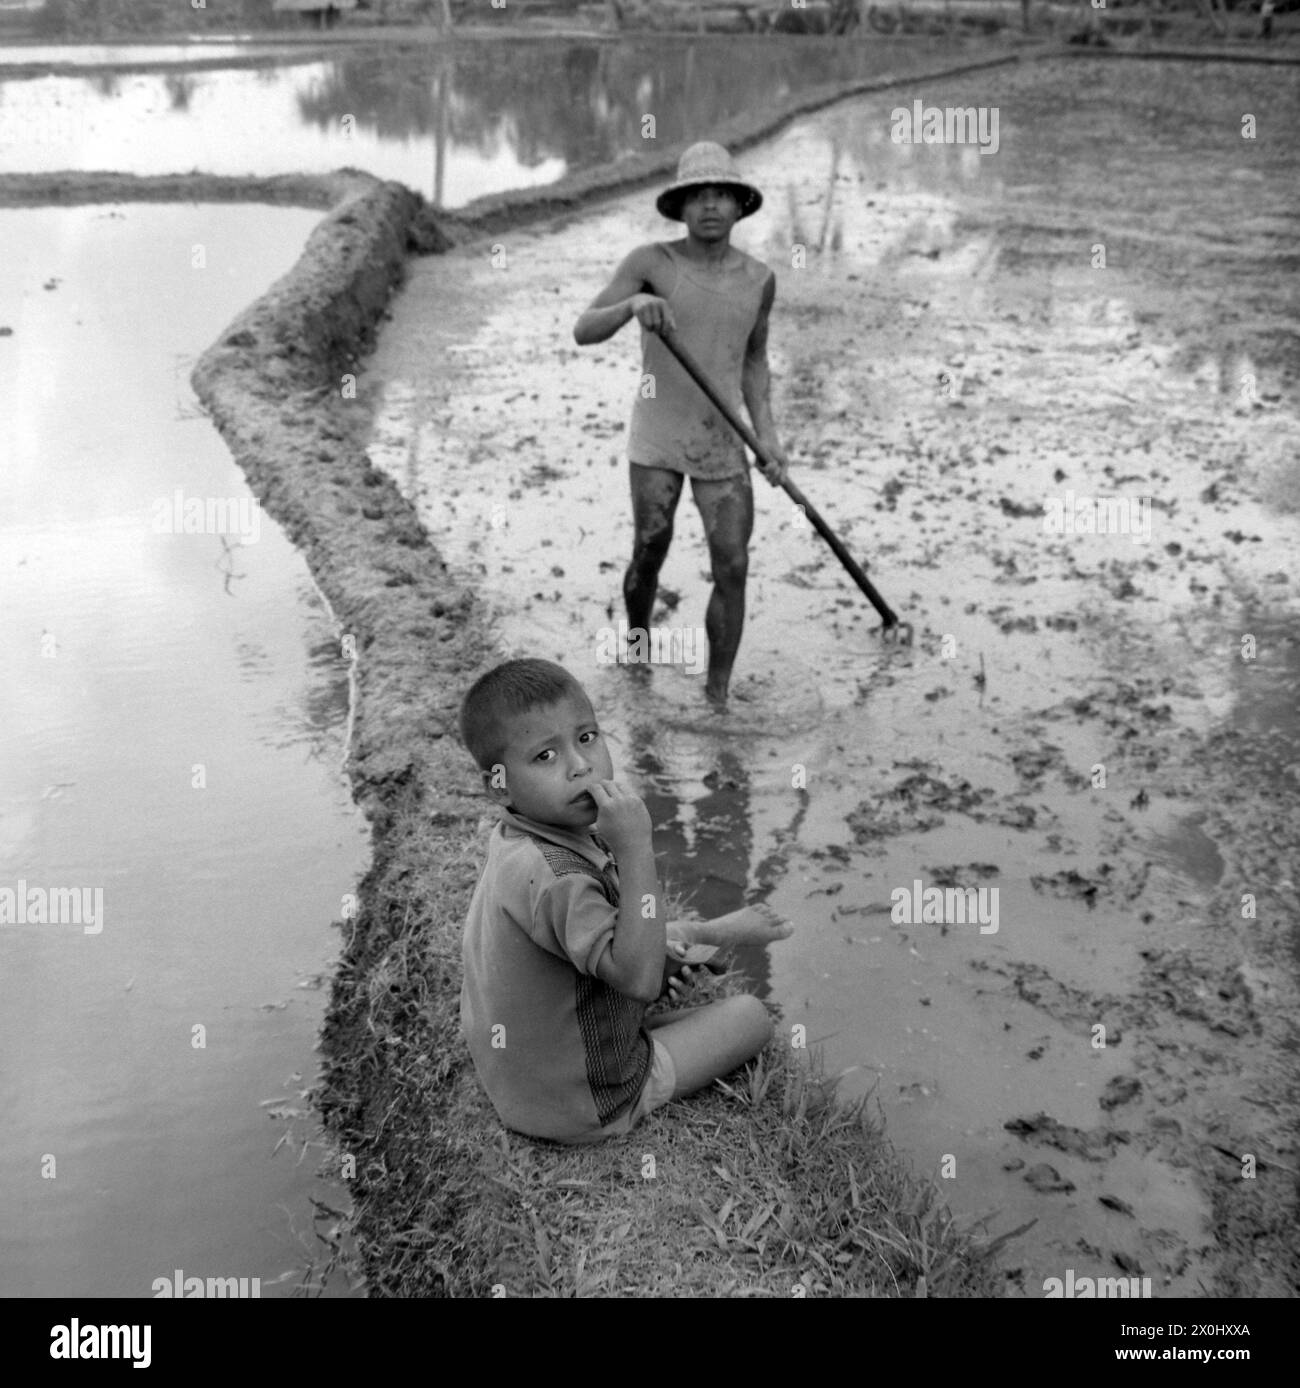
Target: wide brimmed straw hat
{"x": 703, "y": 164}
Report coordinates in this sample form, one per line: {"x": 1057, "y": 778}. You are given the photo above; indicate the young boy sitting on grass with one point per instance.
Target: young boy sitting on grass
{"x": 566, "y": 944}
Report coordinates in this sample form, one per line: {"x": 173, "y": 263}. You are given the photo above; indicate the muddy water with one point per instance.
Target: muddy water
{"x": 172, "y": 726}
{"x": 453, "y": 124}
{"x": 948, "y": 362}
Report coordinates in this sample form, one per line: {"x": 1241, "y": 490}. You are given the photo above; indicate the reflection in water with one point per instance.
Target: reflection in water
{"x": 227, "y": 563}
{"x": 180, "y": 90}
{"x": 174, "y": 745}
{"x": 321, "y": 708}
{"x": 709, "y": 838}
{"x": 453, "y": 123}
{"x": 581, "y": 103}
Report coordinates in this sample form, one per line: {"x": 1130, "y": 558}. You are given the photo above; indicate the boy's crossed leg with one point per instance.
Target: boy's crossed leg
{"x": 709, "y": 1042}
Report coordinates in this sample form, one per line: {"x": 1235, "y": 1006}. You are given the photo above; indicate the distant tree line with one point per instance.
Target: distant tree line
{"x": 107, "y": 18}
{"x": 82, "y": 19}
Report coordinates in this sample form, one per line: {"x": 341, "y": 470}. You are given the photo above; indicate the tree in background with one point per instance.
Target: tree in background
{"x": 79, "y": 19}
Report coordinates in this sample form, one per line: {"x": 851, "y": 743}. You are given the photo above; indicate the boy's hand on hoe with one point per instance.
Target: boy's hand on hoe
{"x": 653, "y": 313}
{"x": 622, "y": 819}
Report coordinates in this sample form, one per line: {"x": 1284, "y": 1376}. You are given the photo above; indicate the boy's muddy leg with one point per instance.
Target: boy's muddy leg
{"x": 727, "y": 510}
{"x": 655, "y": 492}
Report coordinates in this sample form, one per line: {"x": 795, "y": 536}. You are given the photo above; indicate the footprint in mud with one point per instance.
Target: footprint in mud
{"x": 1048, "y": 1180}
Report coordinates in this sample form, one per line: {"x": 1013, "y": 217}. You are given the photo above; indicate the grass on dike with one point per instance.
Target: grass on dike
{"x": 762, "y": 1185}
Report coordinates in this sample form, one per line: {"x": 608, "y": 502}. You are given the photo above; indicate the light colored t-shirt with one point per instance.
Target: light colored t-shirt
{"x": 561, "y": 1054}
{"x": 678, "y": 427}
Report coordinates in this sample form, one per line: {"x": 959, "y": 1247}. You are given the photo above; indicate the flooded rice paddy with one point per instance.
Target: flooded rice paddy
{"x": 172, "y": 727}
{"x": 949, "y": 363}
{"x": 175, "y": 722}
{"x": 948, "y": 359}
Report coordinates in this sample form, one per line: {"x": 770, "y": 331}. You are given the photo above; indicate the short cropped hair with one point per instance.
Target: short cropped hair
{"x": 505, "y": 692}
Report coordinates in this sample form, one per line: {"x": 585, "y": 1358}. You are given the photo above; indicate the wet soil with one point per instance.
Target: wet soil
{"x": 1081, "y": 722}
{"x": 279, "y": 383}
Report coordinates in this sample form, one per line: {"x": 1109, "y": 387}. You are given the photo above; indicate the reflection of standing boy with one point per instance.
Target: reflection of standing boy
{"x": 717, "y": 300}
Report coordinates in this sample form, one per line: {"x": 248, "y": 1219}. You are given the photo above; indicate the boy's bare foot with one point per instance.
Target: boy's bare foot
{"x": 751, "y": 925}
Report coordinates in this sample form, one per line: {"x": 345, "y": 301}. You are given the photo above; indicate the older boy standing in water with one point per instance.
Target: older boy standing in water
{"x": 716, "y": 299}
